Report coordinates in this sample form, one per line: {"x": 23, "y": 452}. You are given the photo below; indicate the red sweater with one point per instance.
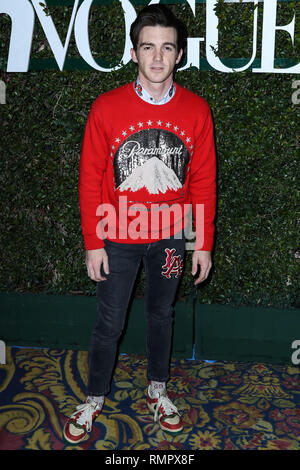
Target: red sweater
{"x": 143, "y": 165}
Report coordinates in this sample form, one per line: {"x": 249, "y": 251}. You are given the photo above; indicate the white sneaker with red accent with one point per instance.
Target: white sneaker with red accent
{"x": 80, "y": 422}
{"x": 165, "y": 412}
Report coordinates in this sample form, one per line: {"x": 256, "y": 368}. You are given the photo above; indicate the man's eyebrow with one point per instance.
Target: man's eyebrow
{"x": 151, "y": 44}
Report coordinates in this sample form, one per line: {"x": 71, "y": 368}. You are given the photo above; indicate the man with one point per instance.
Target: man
{"x": 148, "y": 152}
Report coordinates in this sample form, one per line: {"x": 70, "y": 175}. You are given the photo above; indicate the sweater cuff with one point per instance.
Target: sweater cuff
{"x": 92, "y": 242}
{"x": 207, "y": 245}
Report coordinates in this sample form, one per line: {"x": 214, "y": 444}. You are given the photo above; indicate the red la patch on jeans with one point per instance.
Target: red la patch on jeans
{"x": 173, "y": 264}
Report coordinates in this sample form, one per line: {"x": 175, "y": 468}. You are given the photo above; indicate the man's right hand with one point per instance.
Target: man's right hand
{"x": 94, "y": 259}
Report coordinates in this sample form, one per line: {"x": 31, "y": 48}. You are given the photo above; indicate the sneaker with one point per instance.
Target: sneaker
{"x": 165, "y": 412}
{"x": 80, "y": 423}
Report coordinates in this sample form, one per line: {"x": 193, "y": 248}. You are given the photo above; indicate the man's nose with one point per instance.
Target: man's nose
{"x": 158, "y": 54}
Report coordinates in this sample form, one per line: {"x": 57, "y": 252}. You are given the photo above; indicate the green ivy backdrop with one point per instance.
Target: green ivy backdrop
{"x": 256, "y": 255}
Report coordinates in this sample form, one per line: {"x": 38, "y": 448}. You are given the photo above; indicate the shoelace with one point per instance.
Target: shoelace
{"x": 86, "y": 417}
{"x": 168, "y": 407}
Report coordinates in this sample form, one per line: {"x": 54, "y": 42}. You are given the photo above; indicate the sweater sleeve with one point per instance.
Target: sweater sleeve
{"x": 93, "y": 162}
{"x": 203, "y": 184}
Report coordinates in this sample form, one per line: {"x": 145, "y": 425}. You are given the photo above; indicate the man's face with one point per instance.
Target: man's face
{"x": 156, "y": 53}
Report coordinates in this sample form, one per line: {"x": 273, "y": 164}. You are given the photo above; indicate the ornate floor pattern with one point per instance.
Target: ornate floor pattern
{"x": 225, "y": 405}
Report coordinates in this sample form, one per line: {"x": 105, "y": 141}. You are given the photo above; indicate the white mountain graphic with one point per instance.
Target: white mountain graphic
{"x": 154, "y": 175}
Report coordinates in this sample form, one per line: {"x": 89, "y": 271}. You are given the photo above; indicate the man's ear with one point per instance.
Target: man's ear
{"x": 178, "y": 59}
{"x": 133, "y": 55}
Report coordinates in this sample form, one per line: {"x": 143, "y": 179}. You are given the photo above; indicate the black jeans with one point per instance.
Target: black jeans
{"x": 163, "y": 262}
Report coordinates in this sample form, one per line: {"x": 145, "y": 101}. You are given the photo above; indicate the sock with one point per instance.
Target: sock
{"x": 156, "y": 387}
{"x": 98, "y": 400}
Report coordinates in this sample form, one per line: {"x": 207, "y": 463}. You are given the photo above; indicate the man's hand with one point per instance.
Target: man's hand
{"x": 94, "y": 259}
{"x": 202, "y": 259}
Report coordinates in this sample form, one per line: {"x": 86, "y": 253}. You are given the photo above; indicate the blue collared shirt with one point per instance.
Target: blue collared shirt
{"x": 142, "y": 93}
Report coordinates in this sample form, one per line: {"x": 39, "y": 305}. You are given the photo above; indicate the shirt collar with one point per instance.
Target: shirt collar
{"x": 142, "y": 93}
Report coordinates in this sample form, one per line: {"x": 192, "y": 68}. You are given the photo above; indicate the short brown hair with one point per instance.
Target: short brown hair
{"x": 158, "y": 15}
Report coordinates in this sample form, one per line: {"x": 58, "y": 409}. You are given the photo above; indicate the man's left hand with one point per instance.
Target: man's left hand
{"x": 202, "y": 259}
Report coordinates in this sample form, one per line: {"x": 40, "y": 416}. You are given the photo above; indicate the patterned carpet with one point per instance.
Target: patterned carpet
{"x": 225, "y": 405}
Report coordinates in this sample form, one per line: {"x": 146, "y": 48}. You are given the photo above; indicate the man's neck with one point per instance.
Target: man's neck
{"x": 156, "y": 90}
